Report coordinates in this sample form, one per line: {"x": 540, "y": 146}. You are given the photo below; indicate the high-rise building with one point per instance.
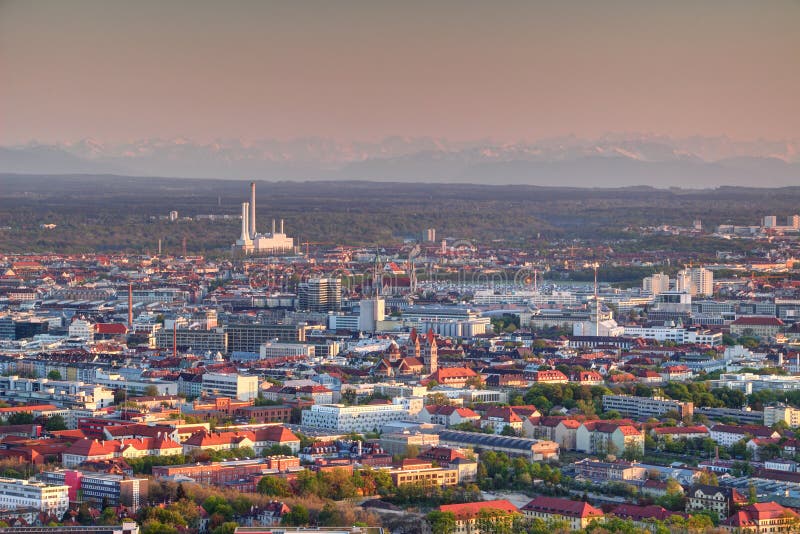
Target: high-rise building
{"x": 770, "y": 221}
{"x": 320, "y": 295}
{"x": 370, "y": 312}
{"x": 793, "y": 221}
{"x": 429, "y": 235}
{"x": 695, "y": 281}
{"x": 656, "y": 284}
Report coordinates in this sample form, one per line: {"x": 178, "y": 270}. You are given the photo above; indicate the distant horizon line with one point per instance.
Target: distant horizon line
{"x": 608, "y": 135}
{"x": 4, "y": 174}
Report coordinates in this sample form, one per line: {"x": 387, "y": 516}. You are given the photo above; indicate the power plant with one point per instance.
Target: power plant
{"x": 251, "y": 242}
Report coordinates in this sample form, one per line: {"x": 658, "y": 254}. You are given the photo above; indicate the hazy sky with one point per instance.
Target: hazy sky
{"x": 118, "y": 70}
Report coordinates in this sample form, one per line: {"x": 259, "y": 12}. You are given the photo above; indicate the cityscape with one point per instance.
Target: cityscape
{"x": 258, "y": 275}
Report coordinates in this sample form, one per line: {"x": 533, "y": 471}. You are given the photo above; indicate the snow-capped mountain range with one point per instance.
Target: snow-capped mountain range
{"x": 612, "y": 161}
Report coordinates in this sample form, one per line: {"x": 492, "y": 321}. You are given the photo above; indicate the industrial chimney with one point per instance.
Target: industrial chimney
{"x": 245, "y": 227}
{"x": 130, "y": 307}
{"x": 273, "y": 226}
{"x": 281, "y": 226}
{"x": 252, "y": 210}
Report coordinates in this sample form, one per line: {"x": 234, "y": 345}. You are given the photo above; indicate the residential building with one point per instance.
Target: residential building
{"x": 722, "y": 500}
{"x": 727, "y": 435}
{"x": 448, "y": 416}
{"x": 758, "y": 326}
{"x": 608, "y": 437}
{"x": 467, "y": 514}
{"x": 577, "y": 514}
{"x": 656, "y": 284}
{"x": 762, "y": 518}
{"x": 781, "y": 412}
{"x": 417, "y": 471}
{"x": 598, "y": 471}
{"x": 695, "y": 281}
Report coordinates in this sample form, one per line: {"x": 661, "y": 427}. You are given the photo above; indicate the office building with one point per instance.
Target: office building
{"x": 320, "y": 295}
{"x": 275, "y": 349}
{"x": 363, "y": 418}
{"x": 48, "y": 498}
{"x": 656, "y": 284}
{"x": 695, "y": 281}
{"x": 198, "y": 341}
{"x": 250, "y": 337}
{"x": 100, "y": 488}
{"x": 234, "y": 386}
{"x": 371, "y": 312}
{"x": 645, "y": 407}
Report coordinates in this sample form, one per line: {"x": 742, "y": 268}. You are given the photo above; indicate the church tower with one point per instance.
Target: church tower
{"x": 430, "y": 355}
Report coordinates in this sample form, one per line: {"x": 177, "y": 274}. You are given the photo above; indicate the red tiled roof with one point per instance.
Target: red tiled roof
{"x": 453, "y": 372}
{"x": 639, "y": 513}
{"x": 111, "y": 328}
{"x": 758, "y": 321}
{"x": 470, "y": 510}
{"x": 563, "y": 507}
{"x": 278, "y": 434}
{"x": 92, "y": 447}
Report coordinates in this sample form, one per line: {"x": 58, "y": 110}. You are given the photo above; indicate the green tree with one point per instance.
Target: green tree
{"x": 226, "y": 528}
{"x": 297, "y": 517}
{"x": 55, "y": 422}
{"x": 442, "y": 522}
{"x": 151, "y": 391}
{"x": 274, "y": 486}
{"x": 20, "y": 418}
{"x": 54, "y": 375}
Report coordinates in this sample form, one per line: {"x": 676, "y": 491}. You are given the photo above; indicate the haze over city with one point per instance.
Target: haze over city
{"x": 300, "y": 90}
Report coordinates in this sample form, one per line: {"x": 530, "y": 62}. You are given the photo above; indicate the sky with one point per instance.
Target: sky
{"x": 351, "y": 70}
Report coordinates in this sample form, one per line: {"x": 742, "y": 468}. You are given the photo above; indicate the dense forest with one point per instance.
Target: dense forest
{"x": 116, "y": 213}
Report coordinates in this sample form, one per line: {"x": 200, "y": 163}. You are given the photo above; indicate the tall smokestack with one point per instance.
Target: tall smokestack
{"x": 130, "y": 307}
{"x": 252, "y": 210}
{"x": 245, "y": 226}
{"x": 273, "y": 226}
{"x": 281, "y": 225}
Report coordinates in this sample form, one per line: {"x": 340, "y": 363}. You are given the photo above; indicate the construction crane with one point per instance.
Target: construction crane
{"x": 307, "y": 243}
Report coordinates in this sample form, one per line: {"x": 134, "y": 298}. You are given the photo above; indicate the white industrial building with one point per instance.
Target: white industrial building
{"x": 275, "y": 349}
{"x": 678, "y": 335}
{"x": 250, "y": 241}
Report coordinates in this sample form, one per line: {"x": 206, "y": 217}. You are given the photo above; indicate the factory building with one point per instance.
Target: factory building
{"x": 252, "y": 242}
